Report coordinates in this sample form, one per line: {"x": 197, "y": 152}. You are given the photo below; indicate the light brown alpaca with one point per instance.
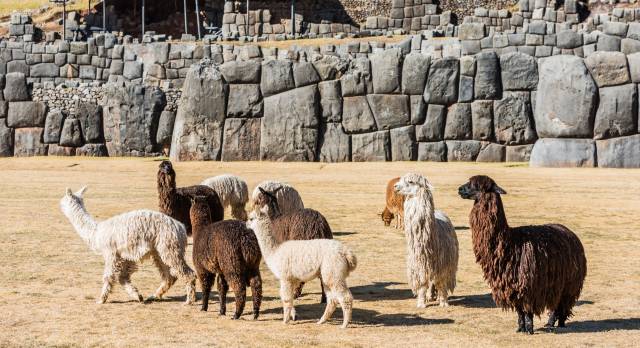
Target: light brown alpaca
{"x": 394, "y": 207}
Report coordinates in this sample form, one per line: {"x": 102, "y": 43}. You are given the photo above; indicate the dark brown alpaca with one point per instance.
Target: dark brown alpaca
{"x": 529, "y": 268}
{"x": 304, "y": 224}
{"x": 176, "y": 202}
{"x": 229, "y": 249}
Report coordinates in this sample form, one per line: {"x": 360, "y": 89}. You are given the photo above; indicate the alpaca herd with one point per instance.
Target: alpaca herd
{"x": 529, "y": 269}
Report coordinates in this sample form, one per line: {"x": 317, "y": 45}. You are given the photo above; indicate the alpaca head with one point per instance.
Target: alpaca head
{"x": 71, "y": 201}
{"x": 166, "y": 174}
{"x": 479, "y": 185}
{"x": 411, "y": 185}
{"x": 387, "y": 216}
{"x": 269, "y": 201}
{"x": 200, "y": 213}
{"x": 259, "y": 213}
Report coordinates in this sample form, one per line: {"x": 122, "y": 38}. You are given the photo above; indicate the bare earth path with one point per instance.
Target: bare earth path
{"x": 49, "y": 279}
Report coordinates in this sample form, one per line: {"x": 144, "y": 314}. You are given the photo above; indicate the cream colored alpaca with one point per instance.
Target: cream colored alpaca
{"x": 289, "y": 199}
{"x": 293, "y": 262}
{"x": 232, "y": 191}
{"x": 126, "y": 239}
{"x": 432, "y": 244}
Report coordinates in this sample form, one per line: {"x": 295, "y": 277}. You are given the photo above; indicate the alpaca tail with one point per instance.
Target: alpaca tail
{"x": 352, "y": 261}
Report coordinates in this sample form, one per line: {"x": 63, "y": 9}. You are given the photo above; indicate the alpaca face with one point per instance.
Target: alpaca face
{"x": 167, "y": 168}
{"x": 255, "y": 215}
{"x": 71, "y": 200}
{"x": 411, "y": 184}
{"x": 478, "y": 185}
{"x": 387, "y": 217}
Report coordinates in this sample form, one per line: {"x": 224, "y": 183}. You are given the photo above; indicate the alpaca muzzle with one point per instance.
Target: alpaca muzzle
{"x": 465, "y": 192}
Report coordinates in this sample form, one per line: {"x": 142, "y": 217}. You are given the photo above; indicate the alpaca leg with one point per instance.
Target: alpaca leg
{"x": 520, "y": 320}
{"x": 552, "y": 320}
{"x": 239, "y": 287}
{"x": 223, "y": 287}
{"x": 206, "y": 280}
{"x": 126, "y": 269}
{"x": 180, "y": 269}
{"x": 298, "y": 290}
{"x": 332, "y": 303}
{"x": 256, "y": 294}
{"x": 108, "y": 278}
{"x": 528, "y": 323}
{"x": 323, "y": 298}
{"x": 286, "y": 295}
{"x": 167, "y": 279}
{"x": 346, "y": 302}
{"x": 443, "y": 297}
{"x": 432, "y": 292}
{"x": 422, "y": 296}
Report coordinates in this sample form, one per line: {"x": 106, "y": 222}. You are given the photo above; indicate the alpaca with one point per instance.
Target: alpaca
{"x": 529, "y": 268}
{"x": 176, "y": 202}
{"x": 394, "y": 205}
{"x": 232, "y": 191}
{"x": 126, "y": 239}
{"x": 229, "y": 249}
{"x": 303, "y": 224}
{"x": 298, "y": 261}
{"x": 289, "y": 199}
{"x": 432, "y": 244}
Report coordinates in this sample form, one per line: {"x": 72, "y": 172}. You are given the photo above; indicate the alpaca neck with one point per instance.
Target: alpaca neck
{"x": 166, "y": 190}
{"x": 268, "y": 245}
{"x": 199, "y": 219}
{"x": 489, "y": 225}
{"x": 84, "y": 224}
{"x": 422, "y": 205}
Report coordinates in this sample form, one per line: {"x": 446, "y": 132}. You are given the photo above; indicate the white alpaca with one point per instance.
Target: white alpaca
{"x": 232, "y": 191}
{"x": 293, "y": 262}
{"x": 126, "y": 239}
{"x": 432, "y": 244}
{"x": 289, "y": 199}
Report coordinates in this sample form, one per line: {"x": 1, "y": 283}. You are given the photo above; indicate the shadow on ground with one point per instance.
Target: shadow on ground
{"x": 473, "y": 301}
{"x": 591, "y": 326}
{"x": 341, "y": 234}
{"x": 379, "y": 291}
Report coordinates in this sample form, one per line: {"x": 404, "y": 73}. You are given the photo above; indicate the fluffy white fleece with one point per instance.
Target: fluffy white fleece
{"x": 233, "y": 192}
{"x": 129, "y": 238}
{"x": 289, "y": 199}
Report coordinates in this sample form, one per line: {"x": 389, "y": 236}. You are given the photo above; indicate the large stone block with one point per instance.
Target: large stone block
{"x": 512, "y": 119}
{"x": 442, "y": 83}
{"x": 390, "y": 111}
{"x": 458, "y": 125}
{"x": 552, "y": 152}
{"x": 241, "y": 141}
{"x": 26, "y": 114}
{"x": 403, "y": 144}
{"x": 244, "y": 101}
{"x": 132, "y": 70}
{"x": 568, "y": 39}
{"x": 15, "y": 88}
{"x": 53, "y": 127}
{"x": 519, "y": 153}
{"x": 463, "y": 151}
{"x": 487, "y": 80}
{"x": 385, "y": 68}
{"x": 57, "y": 150}
{"x": 335, "y": 144}
{"x": 608, "y": 68}
{"x": 290, "y": 125}
{"x": 71, "y": 135}
{"x": 490, "y": 152}
{"x": 277, "y": 77}
{"x": 433, "y": 127}
{"x": 566, "y": 98}
{"x": 330, "y": 101}
{"x": 432, "y": 152}
{"x": 482, "y": 120}
{"x": 617, "y": 113}
{"x": 519, "y": 71}
{"x": 45, "y": 70}
{"x": 237, "y": 71}
{"x": 357, "y": 116}
{"x": 6, "y": 140}
{"x": 414, "y": 73}
{"x": 619, "y": 152}
{"x": 90, "y": 116}
{"x": 371, "y": 147}
{"x": 329, "y": 67}
{"x": 165, "y": 128}
{"x": 197, "y": 132}
{"x": 305, "y": 74}
{"x": 471, "y": 31}
{"x": 418, "y": 109}
{"x": 28, "y": 142}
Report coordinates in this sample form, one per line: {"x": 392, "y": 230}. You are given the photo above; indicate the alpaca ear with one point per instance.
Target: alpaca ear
{"x": 69, "y": 192}
{"x": 276, "y": 190}
{"x": 498, "y": 189}
{"x": 81, "y": 192}
{"x": 262, "y": 190}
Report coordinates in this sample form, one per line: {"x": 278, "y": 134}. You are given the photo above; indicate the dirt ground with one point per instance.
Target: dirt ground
{"x": 50, "y": 279}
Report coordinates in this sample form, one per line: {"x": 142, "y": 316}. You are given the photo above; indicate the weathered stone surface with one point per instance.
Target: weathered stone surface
{"x": 403, "y": 144}
{"x": 197, "y": 132}
{"x": 552, "y": 152}
{"x": 335, "y": 144}
{"x": 57, "y": 150}
{"x": 519, "y": 71}
{"x": 357, "y": 79}
{"x": 482, "y": 120}
{"x": 442, "y": 83}
{"x": 6, "y": 140}
{"x": 165, "y": 128}
{"x": 418, "y": 109}
{"x": 26, "y": 114}
{"x": 465, "y": 91}
{"x": 305, "y": 74}
{"x": 487, "y": 80}
{"x": 330, "y": 101}
{"x": 15, "y": 88}
{"x": 329, "y": 67}
{"x": 433, "y": 127}
{"x": 132, "y": 70}
{"x": 277, "y": 77}
{"x": 92, "y": 150}
{"x": 634, "y": 65}
{"x": 491, "y": 152}
{"x": 244, "y": 101}
{"x": 44, "y": 70}
{"x": 471, "y": 31}
{"x": 71, "y": 135}
{"x": 568, "y": 39}
{"x": 357, "y": 116}
{"x": 619, "y": 152}
{"x": 617, "y": 113}
{"x": 566, "y": 98}
{"x": 290, "y": 125}
{"x": 90, "y": 116}
{"x": 390, "y": 111}
{"x": 519, "y": 153}
{"x": 53, "y": 127}
{"x": 385, "y": 68}
{"x": 237, "y": 71}
{"x": 415, "y": 70}
{"x": 608, "y": 68}
{"x": 512, "y": 119}
{"x": 463, "y": 151}
{"x": 241, "y": 140}
{"x": 432, "y": 152}
{"x": 28, "y": 142}
{"x": 371, "y": 147}
{"x": 458, "y": 125}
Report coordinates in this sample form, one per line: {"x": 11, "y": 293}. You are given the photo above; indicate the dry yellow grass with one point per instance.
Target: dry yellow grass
{"x": 50, "y": 279}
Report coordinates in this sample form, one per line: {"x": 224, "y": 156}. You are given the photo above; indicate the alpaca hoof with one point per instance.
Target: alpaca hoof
{"x": 151, "y": 299}
{"x": 100, "y": 302}
{"x": 444, "y": 304}
{"x": 255, "y": 317}
{"x": 203, "y": 309}
{"x": 421, "y": 305}
{"x": 344, "y": 326}
{"x": 140, "y": 299}
{"x": 520, "y": 329}
{"x": 235, "y": 317}
{"x": 321, "y": 321}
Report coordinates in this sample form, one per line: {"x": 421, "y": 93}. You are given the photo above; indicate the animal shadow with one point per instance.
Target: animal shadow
{"x": 592, "y": 326}
{"x": 473, "y": 301}
{"x": 461, "y": 228}
{"x": 341, "y": 234}
{"x": 583, "y": 302}
{"x": 379, "y": 291}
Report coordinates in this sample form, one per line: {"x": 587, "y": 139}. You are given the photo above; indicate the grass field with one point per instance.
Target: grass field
{"x": 50, "y": 279}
